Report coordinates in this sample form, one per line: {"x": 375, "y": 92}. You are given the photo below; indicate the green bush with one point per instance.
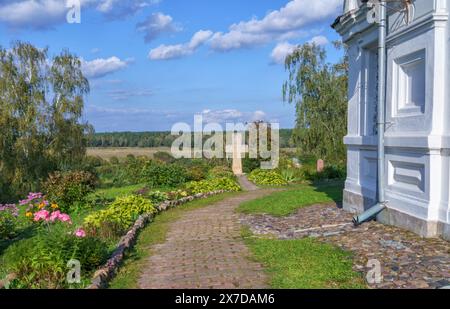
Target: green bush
{"x": 69, "y": 188}
{"x": 220, "y": 172}
{"x": 210, "y": 185}
{"x": 8, "y": 221}
{"x": 196, "y": 173}
{"x": 157, "y": 174}
{"x": 267, "y": 177}
{"x": 157, "y": 197}
{"x": 330, "y": 172}
{"x": 249, "y": 165}
{"x": 41, "y": 262}
{"x": 118, "y": 217}
{"x": 163, "y": 156}
{"x": 114, "y": 160}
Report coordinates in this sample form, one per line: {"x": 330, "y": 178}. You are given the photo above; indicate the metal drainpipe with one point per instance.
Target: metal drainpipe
{"x": 375, "y": 210}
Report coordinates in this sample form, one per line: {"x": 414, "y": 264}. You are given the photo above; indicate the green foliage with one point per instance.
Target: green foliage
{"x": 118, "y": 217}
{"x": 156, "y": 139}
{"x": 220, "y": 172}
{"x": 41, "y": 104}
{"x": 319, "y": 91}
{"x": 41, "y": 261}
{"x": 177, "y": 194}
{"x": 157, "y": 197}
{"x": 164, "y": 156}
{"x": 330, "y": 172}
{"x": 196, "y": 173}
{"x": 266, "y": 177}
{"x": 210, "y": 185}
{"x": 114, "y": 160}
{"x": 289, "y": 176}
{"x": 8, "y": 223}
{"x": 128, "y": 172}
{"x": 249, "y": 165}
{"x": 69, "y": 188}
{"x": 157, "y": 174}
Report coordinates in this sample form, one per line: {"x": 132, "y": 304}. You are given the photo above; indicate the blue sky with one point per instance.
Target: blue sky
{"x": 152, "y": 63}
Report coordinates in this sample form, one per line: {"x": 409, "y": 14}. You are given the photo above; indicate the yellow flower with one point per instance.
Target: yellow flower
{"x": 29, "y": 214}
{"x": 41, "y": 205}
{"x": 55, "y": 206}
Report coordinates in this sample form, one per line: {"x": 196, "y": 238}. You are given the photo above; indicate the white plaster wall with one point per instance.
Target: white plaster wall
{"x": 417, "y": 136}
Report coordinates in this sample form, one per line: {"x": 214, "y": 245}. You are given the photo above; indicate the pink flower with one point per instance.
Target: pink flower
{"x": 41, "y": 215}
{"x": 55, "y": 215}
{"x": 65, "y": 218}
{"x": 80, "y": 233}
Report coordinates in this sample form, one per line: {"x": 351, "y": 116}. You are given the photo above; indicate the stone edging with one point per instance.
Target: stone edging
{"x": 109, "y": 270}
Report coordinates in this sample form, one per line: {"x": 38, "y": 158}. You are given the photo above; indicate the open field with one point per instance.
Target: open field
{"x": 107, "y": 153}
{"x": 121, "y": 152}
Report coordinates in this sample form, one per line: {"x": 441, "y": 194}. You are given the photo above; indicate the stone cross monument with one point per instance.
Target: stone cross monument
{"x": 237, "y": 148}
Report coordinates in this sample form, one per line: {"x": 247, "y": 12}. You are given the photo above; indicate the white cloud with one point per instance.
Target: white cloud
{"x": 231, "y": 115}
{"x": 281, "y": 51}
{"x": 45, "y": 14}
{"x": 115, "y": 9}
{"x": 102, "y": 67}
{"x": 155, "y": 25}
{"x": 281, "y": 24}
{"x": 287, "y": 23}
{"x": 166, "y": 52}
{"x": 319, "y": 40}
{"x": 122, "y": 95}
{"x": 38, "y": 14}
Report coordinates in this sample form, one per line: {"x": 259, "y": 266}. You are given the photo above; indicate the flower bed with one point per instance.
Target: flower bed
{"x": 108, "y": 271}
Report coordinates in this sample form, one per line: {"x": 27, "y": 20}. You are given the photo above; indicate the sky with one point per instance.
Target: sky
{"x": 153, "y": 63}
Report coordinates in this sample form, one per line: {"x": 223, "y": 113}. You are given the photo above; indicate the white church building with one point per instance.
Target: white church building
{"x": 416, "y": 180}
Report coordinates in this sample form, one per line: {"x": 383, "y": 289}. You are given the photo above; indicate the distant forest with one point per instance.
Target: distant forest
{"x": 156, "y": 139}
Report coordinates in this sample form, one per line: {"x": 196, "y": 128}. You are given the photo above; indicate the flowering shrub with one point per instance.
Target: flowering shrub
{"x": 70, "y": 188}
{"x": 80, "y": 233}
{"x": 267, "y": 177}
{"x": 118, "y": 217}
{"x": 216, "y": 184}
{"x": 8, "y": 220}
{"x": 41, "y": 261}
{"x": 45, "y": 216}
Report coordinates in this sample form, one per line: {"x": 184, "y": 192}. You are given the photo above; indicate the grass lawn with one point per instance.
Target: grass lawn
{"x": 113, "y": 192}
{"x": 304, "y": 264}
{"x": 286, "y": 202}
{"x": 154, "y": 233}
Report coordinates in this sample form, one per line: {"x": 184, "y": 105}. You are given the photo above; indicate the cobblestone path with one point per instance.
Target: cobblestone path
{"x": 204, "y": 249}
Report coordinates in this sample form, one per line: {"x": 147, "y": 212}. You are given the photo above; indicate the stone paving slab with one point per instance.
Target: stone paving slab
{"x": 407, "y": 260}
{"x": 204, "y": 249}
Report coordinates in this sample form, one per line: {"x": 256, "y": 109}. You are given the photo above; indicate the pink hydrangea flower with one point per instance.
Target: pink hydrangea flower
{"x": 80, "y": 233}
{"x": 41, "y": 215}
